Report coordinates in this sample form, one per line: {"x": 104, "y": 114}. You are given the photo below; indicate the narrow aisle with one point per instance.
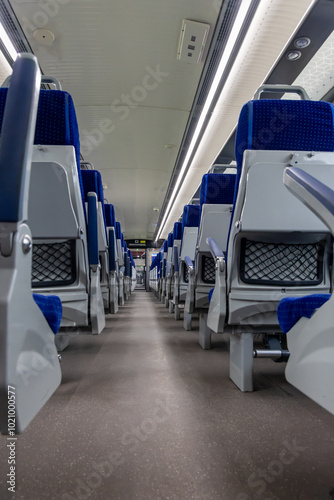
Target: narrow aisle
{"x": 144, "y": 413}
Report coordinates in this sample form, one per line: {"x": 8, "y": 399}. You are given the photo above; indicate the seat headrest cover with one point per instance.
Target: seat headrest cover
{"x": 118, "y": 231}
{"x": 110, "y": 214}
{"x": 217, "y": 189}
{"x": 165, "y": 246}
{"x": 191, "y": 216}
{"x": 177, "y": 231}
{"x": 51, "y": 307}
{"x": 170, "y": 240}
{"x": 56, "y": 123}
{"x": 92, "y": 182}
{"x": 279, "y": 124}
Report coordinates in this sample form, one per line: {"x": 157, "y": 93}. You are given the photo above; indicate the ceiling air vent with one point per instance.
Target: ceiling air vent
{"x": 192, "y": 41}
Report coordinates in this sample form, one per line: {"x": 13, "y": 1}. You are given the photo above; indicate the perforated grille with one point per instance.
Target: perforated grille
{"x": 53, "y": 264}
{"x": 185, "y": 274}
{"x": 281, "y": 264}
{"x": 208, "y": 269}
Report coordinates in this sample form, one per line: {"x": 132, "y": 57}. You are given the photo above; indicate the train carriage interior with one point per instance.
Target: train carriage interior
{"x": 166, "y": 249}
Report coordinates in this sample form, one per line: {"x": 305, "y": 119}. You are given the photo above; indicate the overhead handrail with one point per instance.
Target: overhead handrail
{"x": 281, "y": 89}
{"x": 46, "y": 80}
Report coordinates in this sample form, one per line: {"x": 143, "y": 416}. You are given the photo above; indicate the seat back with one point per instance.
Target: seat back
{"x": 119, "y": 244}
{"x": 111, "y": 227}
{"x": 190, "y": 223}
{"x": 216, "y": 198}
{"x": 29, "y": 366}
{"x": 170, "y": 243}
{"x": 61, "y": 258}
{"x": 275, "y": 246}
{"x": 92, "y": 183}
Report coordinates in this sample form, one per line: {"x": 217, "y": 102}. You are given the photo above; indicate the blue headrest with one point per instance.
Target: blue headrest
{"x": 51, "y": 307}
{"x": 170, "y": 240}
{"x": 110, "y": 215}
{"x": 165, "y": 246}
{"x": 125, "y": 246}
{"x": 291, "y": 309}
{"x": 274, "y": 124}
{"x": 177, "y": 232}
{"x": 122, "y": 240}
{"x": 217, "y": 189}
{"x": 118, "y": 231}
{"x": 191, "y": 215}
{"x": 92, "y": 183}
{"x": 56, "y": 123}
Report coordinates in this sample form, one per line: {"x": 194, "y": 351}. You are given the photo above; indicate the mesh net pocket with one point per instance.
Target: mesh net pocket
{"x": 281, "y": 264}
{"x": 208, "y": 270}
{"x": 53, "y": 264}
{"x": 185, "y": 273}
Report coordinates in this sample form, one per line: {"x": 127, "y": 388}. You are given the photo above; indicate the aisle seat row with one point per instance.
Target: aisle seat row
{"x": 58, "y": 239}
{"x": 260, "y": 249}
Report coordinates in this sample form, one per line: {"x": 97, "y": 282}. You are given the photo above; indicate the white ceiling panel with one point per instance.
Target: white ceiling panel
{"x": 117, "y": 58}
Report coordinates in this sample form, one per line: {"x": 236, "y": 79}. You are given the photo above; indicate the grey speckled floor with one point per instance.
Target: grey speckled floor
{"x": 144, "y": 413}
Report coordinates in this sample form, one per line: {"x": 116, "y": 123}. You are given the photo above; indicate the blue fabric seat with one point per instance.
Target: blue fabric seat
{"x": 56, "y": 123}
{"x": 275, "y": 124}
{"x": 92, "y": 183}
{"x": 291, "y": 309}
{"x": 217, "y": 189}
{"x": 170, "y": 240}
{"x": 110, "y": 215}
{"x": 51, "y": 307}
{"x": 118, "y": 231}
{"x": 191, "y": 216}
{"x": 177, "y": 231}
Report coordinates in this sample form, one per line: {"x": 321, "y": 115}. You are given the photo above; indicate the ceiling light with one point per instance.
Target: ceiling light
{"x": 293, "y": 55}
{"x": 240, "y": 18}
{"x": 302, "y": 42}
{"x": 7, "y": 43}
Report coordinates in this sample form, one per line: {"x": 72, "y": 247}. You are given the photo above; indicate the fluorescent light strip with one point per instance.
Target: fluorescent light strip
{"x": 241, "y": 16}
{"x": 7, "y": 43}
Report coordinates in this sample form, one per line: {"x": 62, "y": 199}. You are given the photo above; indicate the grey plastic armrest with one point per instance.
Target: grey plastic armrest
{"x": 294, "y": 89}
{"x": 216, "y": 251}
{"x": 318, "y": 197}
{"x": 176, "y": 259}
{"x": 189, "y": 263}
{"x": 17, "y": 138}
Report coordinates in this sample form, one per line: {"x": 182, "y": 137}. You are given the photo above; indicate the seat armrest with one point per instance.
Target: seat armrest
{"x": 215, "y": 249}
{"x": 318, "y": 197}
{"x": 189, "y": 263}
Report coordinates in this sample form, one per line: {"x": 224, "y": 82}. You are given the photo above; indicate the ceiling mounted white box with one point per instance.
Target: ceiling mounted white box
{"x": 192, "y": 41}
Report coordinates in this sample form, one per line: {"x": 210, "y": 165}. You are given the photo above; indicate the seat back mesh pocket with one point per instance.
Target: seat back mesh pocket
{"x": 53, "y": 264}
{"x": 281, "y": 264}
